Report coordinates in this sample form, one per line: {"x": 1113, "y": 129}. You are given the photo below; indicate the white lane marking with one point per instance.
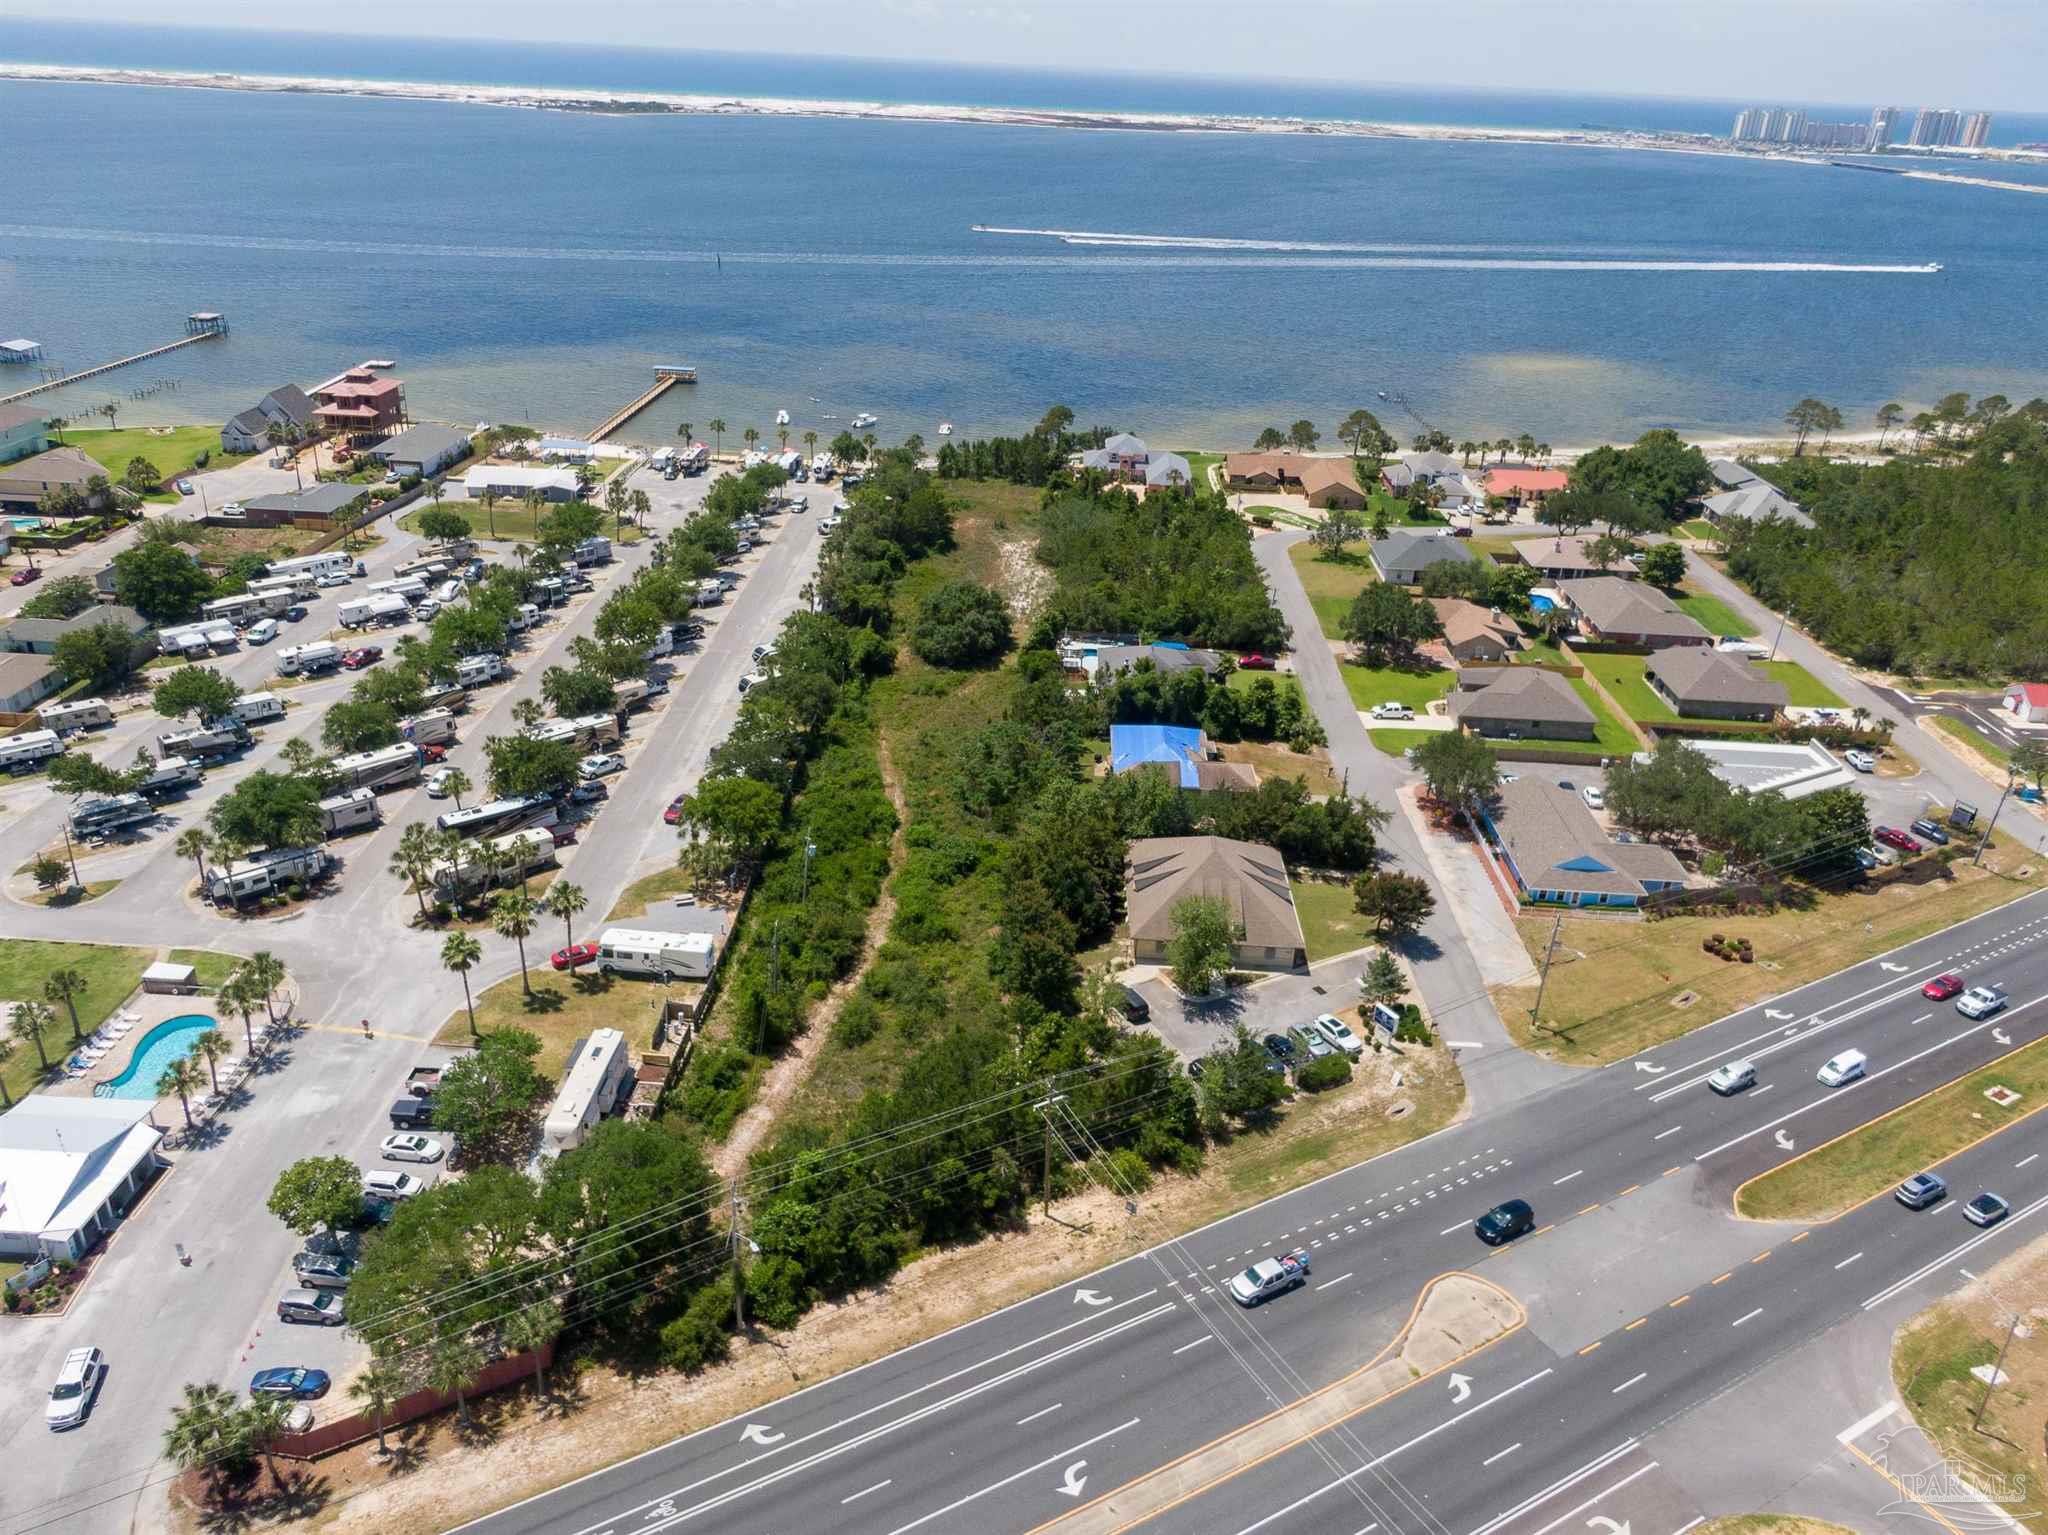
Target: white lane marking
{"x": 940, "y": 1513}
{"x": 1847, "y": 1261}
{"x": 1056, "y": 1406}
{"x": 1923, "y": 1018}
{"x": 1762, "y": 1090}
{"x": 1662, "y": 1133}
{"x": 1747, "y": 1316}
{"x": 1644, "y": 1471}
{"x": 1502, "y": 1454}
{"x": 865, "y": 1491}
{"x": 1449, "y": 1229}
{"x": 1378, "y": 1461}
{"x": 1690, "y": 1524}
{"x": 1567, "y": 1178}
{"x": 1206, "y": 1337}
{"x": 2024, "y": 1161}
{"x": 1617, "y": 1391}
{"x": 1571, "y": 1478}
{"x": 1338, "y": 1280}
{"x": 1953, "y": 1254}
{"x": 1866, "y": 1423}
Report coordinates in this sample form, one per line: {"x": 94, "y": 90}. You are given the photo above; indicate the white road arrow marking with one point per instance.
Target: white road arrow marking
{"x": 1784, "y": 1141}
{"x": 1772, "y": 1012}
{"x": 1461, "y": 1388}
{"x": 761, "y": 1433}
{"x": 1999, "y": 1036}
{"x": 1602, "y": 1522}
{"x": 1090, "y": 1298}
{"x": 1075, "y": 1481}
{"x": 1885, "y": 964}
{"x": 1655, "y": 1071}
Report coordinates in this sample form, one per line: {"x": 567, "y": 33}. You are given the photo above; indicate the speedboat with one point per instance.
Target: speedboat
{"x": 865, "y": 419}
{"x": 945, "y": 429}
{"x": 782, "y": 418}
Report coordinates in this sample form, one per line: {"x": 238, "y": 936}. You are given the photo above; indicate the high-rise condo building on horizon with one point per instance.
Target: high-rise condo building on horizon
{"x": 1884, "y": 126}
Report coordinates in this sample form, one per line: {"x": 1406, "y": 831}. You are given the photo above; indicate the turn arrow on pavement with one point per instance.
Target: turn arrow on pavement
{"x": 1461, "y": 1388}
{"x": 1602, "y": 1522}
{"x": 761, "y": 1433}
{"x": 2000, "y": 1037}
{"x": 1075, "y": 1481}
{"x": 1090, "y": 1298}
{"x": 1784, "y": 1141}
{"x": 1655, "y": 1071}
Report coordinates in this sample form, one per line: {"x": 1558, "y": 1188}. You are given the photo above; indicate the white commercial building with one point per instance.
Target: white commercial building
{"x": 68, "y": 1167}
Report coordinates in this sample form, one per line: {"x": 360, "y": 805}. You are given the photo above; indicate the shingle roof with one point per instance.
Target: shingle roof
{"x": 1730, "y": 475}
{"x": 1695, "y": 674}
{"x": 1562, "y": 553}
{"x": 1111, "y": 659}
{"x": 1317, "y": 474}
{"x": 12, "y": 416}
{"x": 292, "y": 401}
{"x": 421, "y": 443}
{"x": 1168, "y": 469}
{"x": 1755, "y": 503}
{"x": 1282, "y": 466}
{"x": 1405, "y": 550}
{"x": 61, "y": 465}
{"x": 1521, "y": 693}
{"x": 49, "y": 630}
{"x": 1616, "y": 606}
{"x": 314, "y": 501}
{"x": 1557, "y": 845}
{"x": 1251, "y": 880}
{"x": 1465, "y": 621}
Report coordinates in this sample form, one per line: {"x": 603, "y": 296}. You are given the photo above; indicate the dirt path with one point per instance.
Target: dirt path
{"x": 790, "y": 1073}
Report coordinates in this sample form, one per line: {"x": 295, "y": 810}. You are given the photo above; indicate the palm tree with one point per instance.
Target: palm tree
{"x": 867, "y": 443}
{"x": 564, "y": 900}
{"x": 1860, "y": 715}
{"x": 1888, "y": 417}
{"x": 642, "y": 505}
{"x": 684, "y": 431}
{"x": 751, "y": 437}
{"x": 1543, "y": 452}
{"x": 811, "y": 443}
{"x": 56, "y": 425}
{"x": 531, "y": 1329}
{"x": 203, "y": 1428}
{"x": 453, "y": 1366}
{"x": 782, "y": 438}
{"x": 7, "y": 1048}
{"x": 239, "y": 998}
{"x": 260, "y": 1425}
{"x": 1526, "y": 446}
{"x": 66, "y": 986}
{"x": 527, "y": 715}
{"x": 266, "y": 974}
{"x": 460, "y": 953}
{"x": 457, "y": 784}
{"x": 213, "y": 1047}
{"x": 717, "y": 430}
{"x": 414, "y": 858}
{"x": 378, "y": 1388}
{"x": 32, "y": 1020}
{"x": 193, "y": 843}
{"x": 1466, "y": 449}
{"x": 1503, "y": 444}
{"x": 112, "y": 412}
{"x": 512, "y": 917}
{"x": 183, "y": 1078}
{"x": 522, "y": 554}
{"x": 491, "y": 511}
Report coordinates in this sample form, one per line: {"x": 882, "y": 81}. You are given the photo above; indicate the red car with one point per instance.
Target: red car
{"x": 432, "y": 754}
{"x": 576, "y": 954}
{"x": 23, "y": 577}
{"x": 1942, "y": 987}
{"x": 1891, "y": 836}
{"x": 1255, "y": 663}
{"x": 356, "y": 660}
{"x": 674, "y": 813}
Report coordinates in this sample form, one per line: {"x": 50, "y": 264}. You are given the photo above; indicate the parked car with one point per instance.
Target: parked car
{"x": 1891, "y": 836}
{"x": 71, "y": 1394}
{"x": 1845, "y": 1067}
{"x": 24, "y": 576}
{"x": 1134, "y": 1006}
{"x": 1255, "y": 663}
{"x": 598, "y": 764}
{"x": 1929, "y": 831}
{"x": 1867, "y": 859}
{"x": 409, "y": 1147}
{"x": 293, "y": 1381}
{"x": 438, "y": 781}
{"x": 323, "y": 1273}
{"x": 378, "y": 1183}
{"x": 362, "y": 569}
{"x": 433, "y": 754}
{"x": 1504, "y": 1222}
{"x": 362, "y": 656}
{"x": 674, "y": 813}
{"x": 1594, "y": 799}
{"x": 295, "y": 612}
{"x": 321, "y": 1308}
{"x": 1279, "y": 1046}
{"x": 1942, "y": 987}
{"x": 1860, "y": 760}
{"x": 1987, "y": 1209}
{"x": 333, "y": 1244}
{"x": 1392, "y": 711}
{"x": 1981, "y": 1001}
{"x": 1314, "y": 1043}
{"x": 332, "y": 578}
{"x": 576, "y": 954}
{"x": 1339, "y": 1034}
{"x": 1921, "y": 1190}
{"x": 184, "y": 487}
{"x": 1733, "y": 1077}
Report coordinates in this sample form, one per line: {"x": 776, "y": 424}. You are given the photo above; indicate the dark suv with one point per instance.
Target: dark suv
{"x": 1135, "y": 1008}
{"x": 1505, "y": 1222}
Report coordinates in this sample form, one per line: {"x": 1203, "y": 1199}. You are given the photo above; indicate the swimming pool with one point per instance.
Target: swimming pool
{"x": 153, "y": 1052}
{"x": 26, "y": 524}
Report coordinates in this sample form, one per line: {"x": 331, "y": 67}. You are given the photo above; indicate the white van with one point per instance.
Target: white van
{"x": 261, "y": 632}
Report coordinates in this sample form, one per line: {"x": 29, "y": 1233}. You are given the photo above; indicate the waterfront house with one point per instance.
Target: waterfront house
{"x": 1248, "y": 878}
{"x": 514, "y": 482}
{"x": 21, "y": 433}
{"x": 315, "y": 506}
{"x": 1524, "y": 486}
{"x": 249, "y": 431}
{"x": 1711, "y": 684}
{"x": 1332, "y": 482}
{"x": 360, "y": 404}
{"x": 1622, "y": 612}
{"x": 25, "y": 482}
{"x": 1474, "y": 633}
{"x": 1263, "y": 471}
{"x": 1755, "y": 503}
{"x": 1558, "y": 853}
{"x": 1562, "y": 558}
{"x": 1124, "y": 457}
{"x": 1520, "y": 703}
{"x": 1403, "y": 555}
{"x": 422, "y": 450}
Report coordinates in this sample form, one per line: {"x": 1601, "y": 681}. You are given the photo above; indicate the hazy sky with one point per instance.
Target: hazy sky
{"x": 1991, "y": 53}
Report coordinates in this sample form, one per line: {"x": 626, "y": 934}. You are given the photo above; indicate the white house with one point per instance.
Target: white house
{"x": 2028, "y": 702}
{"x": 512, "y": 482}
{"x": 68, "y": 1167}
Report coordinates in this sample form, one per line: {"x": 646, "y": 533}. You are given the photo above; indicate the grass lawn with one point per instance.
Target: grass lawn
{"x": 1802, "y": 688}
{"x": 1275, "y": 759}
{"x": 110, "y": 974}
{"x": 1330, "y": 923}
{"x": 1418, "y": 688}
{"x": 1617, "y": 988}
{"x": 1199, "y": 464}
{"x": 1622, "y": 676}
{"x": 1331, "y": 584}
{"x": 561, "y": 1011}
{"x": 1869, "y": 1160}
{"x": 1713, "y": 615}
{"x": 508, "y": 522}
{"x": 1699, "y": 527}
{"x": 1769, "y": 1524}
{"x": 1971, "y": 737}
{"x": 1285, "y": 682}
{"x": 75, "y": 895}
{"x": 1396, "y": 742}
{"x": 171, "y": 449}
{"x": 211, "y": 965}
{"x": 1540, "y": 652}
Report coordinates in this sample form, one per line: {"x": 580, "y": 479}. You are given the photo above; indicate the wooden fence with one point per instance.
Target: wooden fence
{"x": 326, "y": 1438}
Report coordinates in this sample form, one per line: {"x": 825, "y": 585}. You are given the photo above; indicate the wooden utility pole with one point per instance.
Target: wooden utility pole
{"x": 736, "y": 1240}
{"x": 1543, "y": 979}
{"x": 1045, "y": 1106}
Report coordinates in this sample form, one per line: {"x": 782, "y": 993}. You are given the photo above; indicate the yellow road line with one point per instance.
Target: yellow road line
{"x": 1590, "y": 1347}
{"x": 1680, "y": 1301}
{"x": 1638, "y": 1322}
{"x": 1724, "y": 1277}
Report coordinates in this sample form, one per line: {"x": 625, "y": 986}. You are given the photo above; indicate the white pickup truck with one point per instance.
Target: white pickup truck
{"x": 1270, "y": 1277}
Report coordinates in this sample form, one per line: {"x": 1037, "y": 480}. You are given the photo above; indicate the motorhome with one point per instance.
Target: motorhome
{"x": 695, "y": 459}
{"x": 821, "y": 467}
{"x": 664, "y": 643}
{"x": 525, "y": 616}
{"x": 629, "y": 695}
{"x": 300, "y": 588}
{"x": 657, "y": 956}
{"x": 243, "y": 609}
{"x": 789, "y": 462}
{"x": 474, "y": 671}
{"x": 600, "y": 1074}
{"x": 453, "y": 699}
{"x": 170, "y": 777}
{"x": 349, "y": 812}
{"x": 261, "y": 873}
{"x": 99, "y": 817}
{"x": 409, "y": 587}
{"x": 500, "y": 816}
{"x": 255, "y": 708}
{"x": 193, "y": 641}
{"x": 550, "y": 592}
{"x": 505, "y": 860}
{"x": 388, "y": 767}
{"x": 334, "y": 562}
{"x": 593, "y": 551}
{"x": 430, "y": 567}
{"x": 434, "y": 727}
{"x": 590, "y": 732}
{"x": 18, "y": 753}
{"x": 377, "y": 608}
{"x": 710, "y": 593}
{"x": 215, "y": 741}
{"x": 319, "y": 656}
{"x": 82, "y": 715}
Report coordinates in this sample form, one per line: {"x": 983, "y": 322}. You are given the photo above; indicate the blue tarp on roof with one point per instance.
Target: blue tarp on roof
{"x": 1178, "y": 746}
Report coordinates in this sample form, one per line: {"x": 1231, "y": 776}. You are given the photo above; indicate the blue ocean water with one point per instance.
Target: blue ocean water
{"x": 531, "y": 265}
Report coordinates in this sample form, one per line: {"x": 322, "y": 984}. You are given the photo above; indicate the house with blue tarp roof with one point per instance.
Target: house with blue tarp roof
{"x": 1179, "y": 750}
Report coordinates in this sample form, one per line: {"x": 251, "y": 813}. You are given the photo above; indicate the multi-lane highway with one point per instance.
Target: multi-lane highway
{"x": 1644, "y": 1300}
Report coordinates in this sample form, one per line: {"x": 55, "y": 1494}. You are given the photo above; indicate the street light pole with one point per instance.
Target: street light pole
{"x": 1777, "y": 637}
{"x": 71, "y": 856}
{"x": 2011, "y": 778}
{"x": 1997, "y": 1370}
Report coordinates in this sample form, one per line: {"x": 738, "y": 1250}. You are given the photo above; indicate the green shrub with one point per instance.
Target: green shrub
{"x": 857, "y": 1022}
{"x": 1412, "y": 1030}
{"x": 777, "y": 1295}
{"x": 702, "y": 1335}
{"x": 1324, "y": 1073}
{"x": 1125, "y": 1171}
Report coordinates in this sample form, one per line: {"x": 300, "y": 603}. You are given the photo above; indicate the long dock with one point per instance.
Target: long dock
{"x": 665, "y": 379}
{"x": 109, "y": 367}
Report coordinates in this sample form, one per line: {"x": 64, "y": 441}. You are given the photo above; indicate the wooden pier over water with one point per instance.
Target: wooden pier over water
{"x": 198, "y": 328}
{"x": 666, "y": 377}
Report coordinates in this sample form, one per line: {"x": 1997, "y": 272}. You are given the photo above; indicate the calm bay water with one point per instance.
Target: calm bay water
{"x": 525, "y": 265}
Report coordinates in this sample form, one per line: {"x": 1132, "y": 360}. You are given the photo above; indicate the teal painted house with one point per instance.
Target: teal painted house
{"x": 21, "y": 433}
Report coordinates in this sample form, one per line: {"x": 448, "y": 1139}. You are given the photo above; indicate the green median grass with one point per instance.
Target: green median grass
{"x": 1872, "y": 1159}
{"x": 1396, "y": 742}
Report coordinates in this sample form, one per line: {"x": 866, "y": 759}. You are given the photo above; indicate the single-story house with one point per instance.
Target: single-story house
{"x": 1402, "y": 556}
{"x": 1108, "y": 660}
{"x": 1249, "y": 879}
{"x": 422, "y": 450}
{"x": 1262, "y": 471}
{"x": 1179, "y": 750}
{"x": 1125, "y": 457}
{"x": 1625, "y": 612}
{"x": 1473, "y": 633}
{"x": 514, "y": 482}
{"x": 1332, "y": 482}
{"x": 68, "y": 1168}
{"x": 249, "y": 431}
{"x": 1711, "y": 684}
{"x": 1524, "y": 702}
{"x": 26, "y": 481}
{"x": 39, "y": 636}
{"x": 1557, "y": 852}
{"x": 1524, "y": 486}
{"x": 2028, "y": 701}
{"x": 334, "y": 501}
{"x": 1755, "y": 503}
{"x": 25, "y": 681}
{"x": 1561, "y": 558}
{"x": 1792, "y": 769}
{"x": 1400, "y": 473}
{"x": 22, "y": 433}
{"x": 1731, "y": 475}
